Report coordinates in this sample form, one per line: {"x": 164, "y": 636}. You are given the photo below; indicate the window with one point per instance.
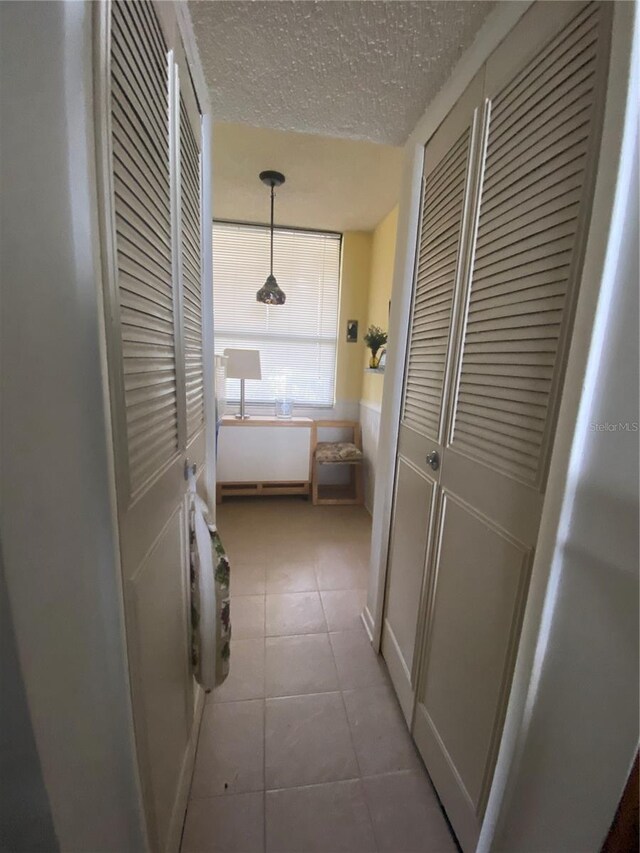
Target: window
{"x": 297, "y": 341}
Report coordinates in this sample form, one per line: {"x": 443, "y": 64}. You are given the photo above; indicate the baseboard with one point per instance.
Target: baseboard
{"x": 174, "y": 837}
{"x": 400, "y": 675}
{"x": 367, "y": 621}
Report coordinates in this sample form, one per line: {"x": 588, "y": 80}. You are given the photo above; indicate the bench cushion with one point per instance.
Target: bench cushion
{"x": 337, "y": 452}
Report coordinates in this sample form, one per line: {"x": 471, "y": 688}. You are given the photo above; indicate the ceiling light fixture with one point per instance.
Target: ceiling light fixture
{"x": 270, "y": 293}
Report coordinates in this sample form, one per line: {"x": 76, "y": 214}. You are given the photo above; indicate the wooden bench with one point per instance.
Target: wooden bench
{"x": 337, "y": 453}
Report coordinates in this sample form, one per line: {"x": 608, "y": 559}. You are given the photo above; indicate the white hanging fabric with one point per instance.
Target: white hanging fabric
{"x": 211, "y": 629}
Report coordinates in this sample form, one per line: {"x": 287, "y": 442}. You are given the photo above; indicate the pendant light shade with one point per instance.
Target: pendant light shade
{"x": 270, "y": 293}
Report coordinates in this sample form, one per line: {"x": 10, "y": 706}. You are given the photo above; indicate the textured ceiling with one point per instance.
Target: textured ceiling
{"x": 332, "y": 184}
{"x": 362, "y": 69}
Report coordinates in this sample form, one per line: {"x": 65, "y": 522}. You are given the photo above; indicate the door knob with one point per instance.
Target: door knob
{"x": 433, "y": 460}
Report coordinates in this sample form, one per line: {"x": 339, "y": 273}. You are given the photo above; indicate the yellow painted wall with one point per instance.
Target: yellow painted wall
{"x": 383, "y": 250}
{"x": 354, "y": 297}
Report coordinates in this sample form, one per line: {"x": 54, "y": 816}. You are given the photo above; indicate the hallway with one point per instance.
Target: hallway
{"x": 304, "y": 748}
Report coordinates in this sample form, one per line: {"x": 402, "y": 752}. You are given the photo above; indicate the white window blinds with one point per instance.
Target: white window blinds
{"x": 297, "y": 341}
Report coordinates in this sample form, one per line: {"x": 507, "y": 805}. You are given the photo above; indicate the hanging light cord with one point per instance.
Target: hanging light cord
{"x": 272, "y": 197}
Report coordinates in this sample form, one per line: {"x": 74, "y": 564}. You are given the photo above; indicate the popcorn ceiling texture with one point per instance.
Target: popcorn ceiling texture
{"x": 361, "y": 69}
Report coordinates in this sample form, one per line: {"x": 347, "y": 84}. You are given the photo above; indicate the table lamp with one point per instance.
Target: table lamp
{"x": 243, "y": 364}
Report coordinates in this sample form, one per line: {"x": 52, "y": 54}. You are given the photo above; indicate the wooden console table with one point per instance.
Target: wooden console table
{"x": 264, "y": 456}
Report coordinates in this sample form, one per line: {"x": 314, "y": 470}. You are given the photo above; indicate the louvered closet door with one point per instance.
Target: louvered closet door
{"x": 439, "y": 265}
{"x": 191, "y": 258}
{"x": 147, "y": 377}
{"x": 542, "y": 124}
{"x": 139, "y": 103}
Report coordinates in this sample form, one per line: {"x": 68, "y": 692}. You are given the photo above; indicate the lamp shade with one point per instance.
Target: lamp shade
{"x": 270, "y": 293}
{"x": 243, "y": 364}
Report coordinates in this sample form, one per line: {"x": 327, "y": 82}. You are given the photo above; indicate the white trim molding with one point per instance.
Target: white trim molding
{"x": 370, "y": 424}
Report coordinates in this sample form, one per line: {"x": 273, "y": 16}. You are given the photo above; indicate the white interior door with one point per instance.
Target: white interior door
{"x": 152, "y": 234}
{"x": 541, "y": 127}
{"x": 439, "y": 266}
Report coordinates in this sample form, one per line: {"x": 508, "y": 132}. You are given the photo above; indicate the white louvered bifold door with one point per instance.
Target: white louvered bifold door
{"x": 443, "y": 199}
{"x": 526, "y": 254}
{"x": 152, "y": 235}
{"x": 540, "y": 132}
{"x": 191, "y": 267}
{"x": 142, "y": 201}
{"x": 438, "y": 268}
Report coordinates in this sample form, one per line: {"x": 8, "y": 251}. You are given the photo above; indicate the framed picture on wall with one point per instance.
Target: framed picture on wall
{"x": 352, "y": 331}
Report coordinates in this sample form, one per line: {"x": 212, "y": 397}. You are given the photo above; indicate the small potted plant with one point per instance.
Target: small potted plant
{"x": 375, "y": 339}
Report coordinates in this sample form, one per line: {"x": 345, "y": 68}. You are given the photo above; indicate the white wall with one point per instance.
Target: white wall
{"x": 25, "y": 816}
{"x": 56, "y": 518}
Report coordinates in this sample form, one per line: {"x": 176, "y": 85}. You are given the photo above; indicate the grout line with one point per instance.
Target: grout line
{"x": 201, "y": 797}
{"x": 324, "y": 612}
{"x": 264, "y": 726}
{"x": 390, "y": 773}
{"x": 360, "y": 776}
{"x": 300, "y": 695}
{"x": 294, "y": 636}
{"x": 264, "y": 774}
{"x": 335, "y": 781}
{"x": 314, "y": 784}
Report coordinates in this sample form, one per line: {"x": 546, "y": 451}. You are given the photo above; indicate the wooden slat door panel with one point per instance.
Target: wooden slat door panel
{"x": 442, "y": 212}
{"x": 541, "y": 128}
{"x": 545, "y": 115}
{"x": 438, "y": 267}
{"x": 191, "y": 257}
{"x": 140, "y": 135}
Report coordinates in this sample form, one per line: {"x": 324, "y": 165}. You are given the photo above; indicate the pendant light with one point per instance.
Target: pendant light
{"x": 270, "y": 293}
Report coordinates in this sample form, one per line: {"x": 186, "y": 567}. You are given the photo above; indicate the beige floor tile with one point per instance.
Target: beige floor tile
{"x": 294, "y": 613}
{"x": 289, "y": 577}
{"x": 242, "y": 551}
{"x": 307, "y": 740}
{"x": 331, "y": 818}
{"x": 246, "y": 673}
{"x": 247, "y": 580}
{"x": 230, "y": 756}
{"x": 380, "y": 736}
{"x": 357, "y": 663}
{"x": 300, "y": 664}
{"x": 343, "y": 609}
{"x": 282, "y": 550}
{"x": 352, "y": 524}
{"x": 247, "y": 617}
{"x": 296, "y": 547}
{"x": 261, "y": 524}
{"x": 340, "y": 567}
{"x": 406, "y": 814}
{"x": 232, "y": 824}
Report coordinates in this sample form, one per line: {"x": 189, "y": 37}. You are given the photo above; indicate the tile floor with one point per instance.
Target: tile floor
{"x": 303, "y": 749}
